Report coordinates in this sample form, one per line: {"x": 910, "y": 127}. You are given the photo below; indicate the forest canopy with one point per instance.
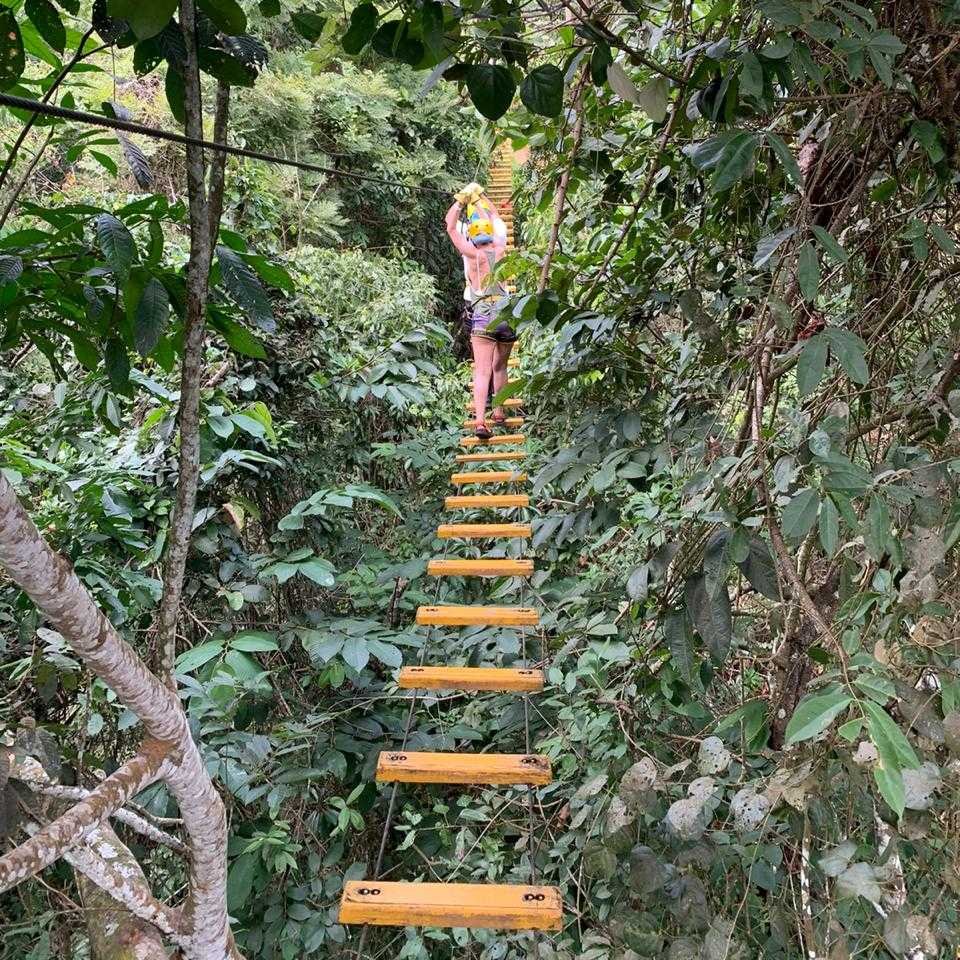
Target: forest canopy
{"x": 229, "y": 392}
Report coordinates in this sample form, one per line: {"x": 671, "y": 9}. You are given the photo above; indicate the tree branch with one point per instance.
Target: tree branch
{"x": 564, "y": 182}
{"x": 50, "y": 843}
{"x": 50, "y": 581}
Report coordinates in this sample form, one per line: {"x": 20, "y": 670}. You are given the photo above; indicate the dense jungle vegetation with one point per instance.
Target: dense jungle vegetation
{"x": 231, "y": 397}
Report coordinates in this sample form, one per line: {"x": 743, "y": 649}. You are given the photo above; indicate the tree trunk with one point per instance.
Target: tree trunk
{"x": 204, "y": 222}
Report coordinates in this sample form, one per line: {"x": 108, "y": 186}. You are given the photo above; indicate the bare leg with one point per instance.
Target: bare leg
{"x": 500, "y": 371}
{"x": 484, "y": 351}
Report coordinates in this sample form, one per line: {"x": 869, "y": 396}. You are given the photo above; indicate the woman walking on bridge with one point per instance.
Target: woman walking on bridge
{"x": 480, "y": 235}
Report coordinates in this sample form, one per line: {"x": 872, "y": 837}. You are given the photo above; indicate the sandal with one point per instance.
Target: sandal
{"x": 483, "y": 432}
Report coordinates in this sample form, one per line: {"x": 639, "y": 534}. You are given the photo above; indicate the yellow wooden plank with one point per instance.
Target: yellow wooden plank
{"x": 513, "y": 362}
{"x": 488, "y": 476}
{"x": 471, "y": 678}
{"x": 471, "y": 531}
{"x": 480, "y": 567}
{"x": 509, "y": 383}
{"x": 462, "y": 616}
{"x": 472, "y": 905}
{"x": 509, "y": 402}
{"x": 494, "y": 455}
{"x": 508, "y": 422}
{"x": 499, "y": 439}
{"x": 489, "y": 769}
{"x": 488, "y": 501}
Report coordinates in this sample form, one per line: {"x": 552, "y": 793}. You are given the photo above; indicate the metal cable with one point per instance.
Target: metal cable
{"x": 129, "y": 126}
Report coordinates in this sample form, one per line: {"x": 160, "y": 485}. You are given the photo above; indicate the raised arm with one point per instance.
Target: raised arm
{"x": 463, "y": 245}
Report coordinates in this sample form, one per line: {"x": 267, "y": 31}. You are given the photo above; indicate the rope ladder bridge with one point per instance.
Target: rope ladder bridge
{"x": 514, "y": 906}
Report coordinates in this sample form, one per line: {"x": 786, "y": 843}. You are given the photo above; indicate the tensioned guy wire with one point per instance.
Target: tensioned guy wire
{"x": 129, "y": 126}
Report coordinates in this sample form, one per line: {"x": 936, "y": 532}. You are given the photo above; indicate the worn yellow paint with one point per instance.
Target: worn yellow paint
{"x": 471, "y": 678}
{"x": 508, "y": 422}
{"x": 509, "y": 402}
{"x": 498, "y": 439}
{"x": 490, "y": 501}
{"x": 482, "y": 567}
{"x": 488, "y": 905}
{"x": 488, "y": 476}
{"x": 472, "y": 531}
{"x": 462, "y": 616}
{"x": 490, "y": 769}
{"x": 493, "y": 456}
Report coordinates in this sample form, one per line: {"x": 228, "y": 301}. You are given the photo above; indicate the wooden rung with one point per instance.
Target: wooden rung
{"x": 473, "y": 531}
{"x": 509, "y": 383}
{"x": 508, "y": 422}
{"x": 489, "y": 769}
{"x": 513, "y": 362}
{"x": 498, "y": 439}
{"x": 491, "y": 456}
{"x": 488, "y": 476}
{"x": 454, "y": 616}
{"x": 490, "y": 501}
{"x": 483, "y": 567}
{"x": 476, "y": 905}
{"x": 471, "y": 678}
{"x": 509, "y": 402}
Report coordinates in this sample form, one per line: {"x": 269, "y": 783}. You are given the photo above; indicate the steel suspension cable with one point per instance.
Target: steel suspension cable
{"x": 130, "y": 126}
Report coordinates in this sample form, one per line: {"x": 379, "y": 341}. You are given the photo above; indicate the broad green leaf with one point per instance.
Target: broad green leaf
{"x": 254, "y": 641}
{"x": 789, "y": 162}
{"x": 951, "y": 529}
{"x": 894, "y": 748}
{"x": 829, "y": 527}
{"x": 197, "y": 656}
{"x": 808, "y": 271}
{"x": 393, "y": 40}
{"x": 676, "y": 632}
{"x": 850, "y": 351}
{"x": 308, "y": 24}
{"x": 735, "y": 161}
{"x": 363, "y": 25}
{"x": 751, "y": 76}
{"x": 877, "y": 528}
{"x": 491, "y": 89}
{"x": 542, "y": 90}
{"x": 760, "y": 569}
{"x": 600, "y": 61}
{"x": 245, "y": 288}
{"x": 811, "y": 364}
{"x": 175, "y": 93}
{"x": 653, "y": 98}
{"x": 240, "y": 879}
{"x": 238, "y": 337}
{"x": 943, "y": 239}
{"x": 45, "y": 17}
{"x": 800, "y": 514}
{"x": 356, "y": 653}
{"x": 12, "y": 58}
{"x": 431, "y": 29}
{"x": 386, "y": 653}
{"x": 146, "y": 19}
{"x": 227, "y": 15}
{"x": 621, "y": 84}
{"x": 814, "y": 714}
{"x": 117, "y": 364}
{"x": 927, "y": 134}
{"x": 711, "y": 616}
{"x": 830, "y": 245}
{"x": 321, "y": 572}
{"x": 117, "y": 244}
{"x": 890, "y": 784}
{"x": 150, "y": 319}
{"x": 716, "y": 561}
